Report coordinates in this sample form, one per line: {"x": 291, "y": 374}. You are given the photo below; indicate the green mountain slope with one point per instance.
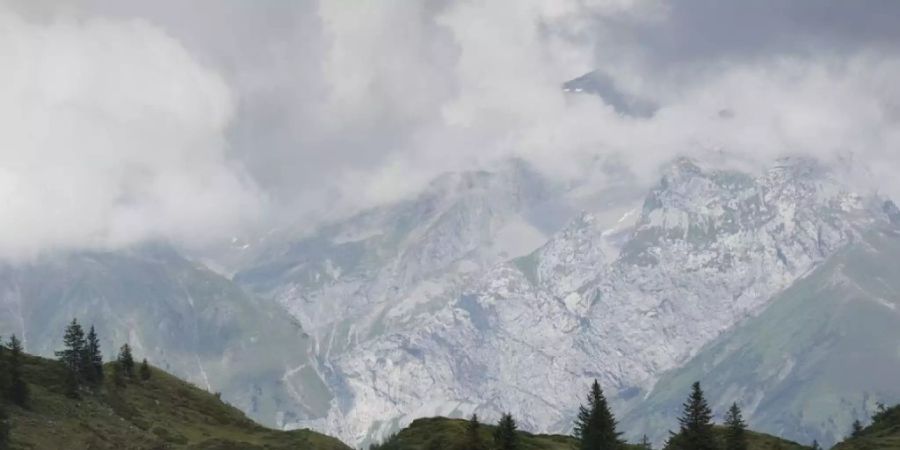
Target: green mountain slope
{"x": 162, "y": 412}
{"x": 440, "y": 433}
{"x": 179, "y": 314}
{"x": 821, "y": 356}
{"x": 759, "y": 441}
{"x": 884, "y": 433}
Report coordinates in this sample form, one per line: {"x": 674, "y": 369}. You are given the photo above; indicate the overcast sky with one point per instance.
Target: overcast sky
{"x": 192, "y": 121}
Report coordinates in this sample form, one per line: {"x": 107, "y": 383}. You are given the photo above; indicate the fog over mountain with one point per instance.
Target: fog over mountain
{"x": 347, "y": 215}
{"x": 128, "y": 121}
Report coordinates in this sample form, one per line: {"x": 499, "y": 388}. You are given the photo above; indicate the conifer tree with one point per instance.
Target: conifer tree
{"x": 92, "y": 366}
{"x": 696, "y": 432}
{"x": 645, "y": 443}
{"x": 4, "y": 373}
{"x": 145, "y": 370}
{"x": 72, "y": 357}
{"x": 595, "y": 426}
{"x": 857, "y": 429}
{"x": 505, "y": 436}
{"x": 815, "y": 445}
{"x": 18, "y": 389}
{"x": 735, "y": 435}
{"x": 472, "y": 439}
{"x": 126, "y": 360}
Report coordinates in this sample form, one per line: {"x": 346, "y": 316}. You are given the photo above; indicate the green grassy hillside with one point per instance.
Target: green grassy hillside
{"x": 761, "y": 441}
{"x": 162, "y": 412}
{"x": 439, "y": 433}
{"x": 882, "y": 434}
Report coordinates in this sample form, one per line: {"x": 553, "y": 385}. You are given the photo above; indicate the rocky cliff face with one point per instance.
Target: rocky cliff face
{"x": 622, "y": 302}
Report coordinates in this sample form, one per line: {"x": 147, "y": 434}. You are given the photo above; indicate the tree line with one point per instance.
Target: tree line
{"x": 595, "y": 428}
{"x": 82, "y": 359}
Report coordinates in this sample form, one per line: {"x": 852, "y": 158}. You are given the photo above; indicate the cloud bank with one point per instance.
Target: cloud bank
{"x": 192, "y": 121}
{"x": 112, "y": 135}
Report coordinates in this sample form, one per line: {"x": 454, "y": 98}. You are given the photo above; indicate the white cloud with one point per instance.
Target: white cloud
{"x": 340, "y": 106}
{"x": 112, "y": 134}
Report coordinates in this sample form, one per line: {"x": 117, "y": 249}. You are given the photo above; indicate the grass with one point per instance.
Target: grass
{"x": 163, "y": 412}
{"x": 441, "y": 433}
{"x": 884, "y": 433}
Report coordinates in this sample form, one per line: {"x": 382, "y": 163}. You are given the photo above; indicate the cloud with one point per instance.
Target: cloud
{"x": 326, "y": 108}
{"x": 112, "y": 135}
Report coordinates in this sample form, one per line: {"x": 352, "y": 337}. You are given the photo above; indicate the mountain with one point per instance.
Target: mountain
{"x": 496, "y": 291}
{"x": 821, "y": 356}
{"x": 384, "y": 270}
{"x": 174, "y": 312}
{"x": 162, "y": 412}
{"x": 415, "y": 312}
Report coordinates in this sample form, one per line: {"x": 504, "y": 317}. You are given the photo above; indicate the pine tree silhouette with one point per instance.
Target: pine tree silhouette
{"x": 4, "y": 373}
{"x": 595, "y": 426}
{"x": 735, "y": 435}
{"x": 92, "y": 369}
{"x": 126, "y": 360}
{"x": 472, "y": 439}
{"x": 505, "y": 436}
{"x": 18, "y": 389}
{"x": 72, "y": 357}
{"x": 696, "y": 427}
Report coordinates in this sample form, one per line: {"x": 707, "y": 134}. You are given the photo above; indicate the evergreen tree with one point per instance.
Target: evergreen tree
{"x": 696, "y": 432}
{"x": 126, "y": 360}
{"x": 92, "y": 364}
{"x": 505, "y": 436}
{"x": 4, "y": 373}
{"x": 72, "y": 357}
{"x": 735, "y": 435}
{"x": 595, "y": 426}
{"x": 18, "y": 389}
{"x": 645, "y": 443}
{"x": 815, "y": 445}
{"x": 857, "y": 429}
{"x": 4, "y": 429}
{"x": 145, "y": 370}
{"x": 472, "y": 439}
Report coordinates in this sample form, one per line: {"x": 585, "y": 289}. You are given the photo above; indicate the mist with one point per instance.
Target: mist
{"x": 131, "y": 121}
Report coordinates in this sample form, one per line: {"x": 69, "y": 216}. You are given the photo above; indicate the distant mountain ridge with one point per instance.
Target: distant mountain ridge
{"x": 623, "y": 302}
{"x": 177, "y": 313}
{"x": 499, "y": 290}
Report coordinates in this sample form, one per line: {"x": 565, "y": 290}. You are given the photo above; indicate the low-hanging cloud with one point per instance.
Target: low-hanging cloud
{"x": 112, "y": 135}
{"x": 331, "y": 107}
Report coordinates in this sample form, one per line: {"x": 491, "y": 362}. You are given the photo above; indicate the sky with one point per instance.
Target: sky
{"x": 126, "y": 121}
